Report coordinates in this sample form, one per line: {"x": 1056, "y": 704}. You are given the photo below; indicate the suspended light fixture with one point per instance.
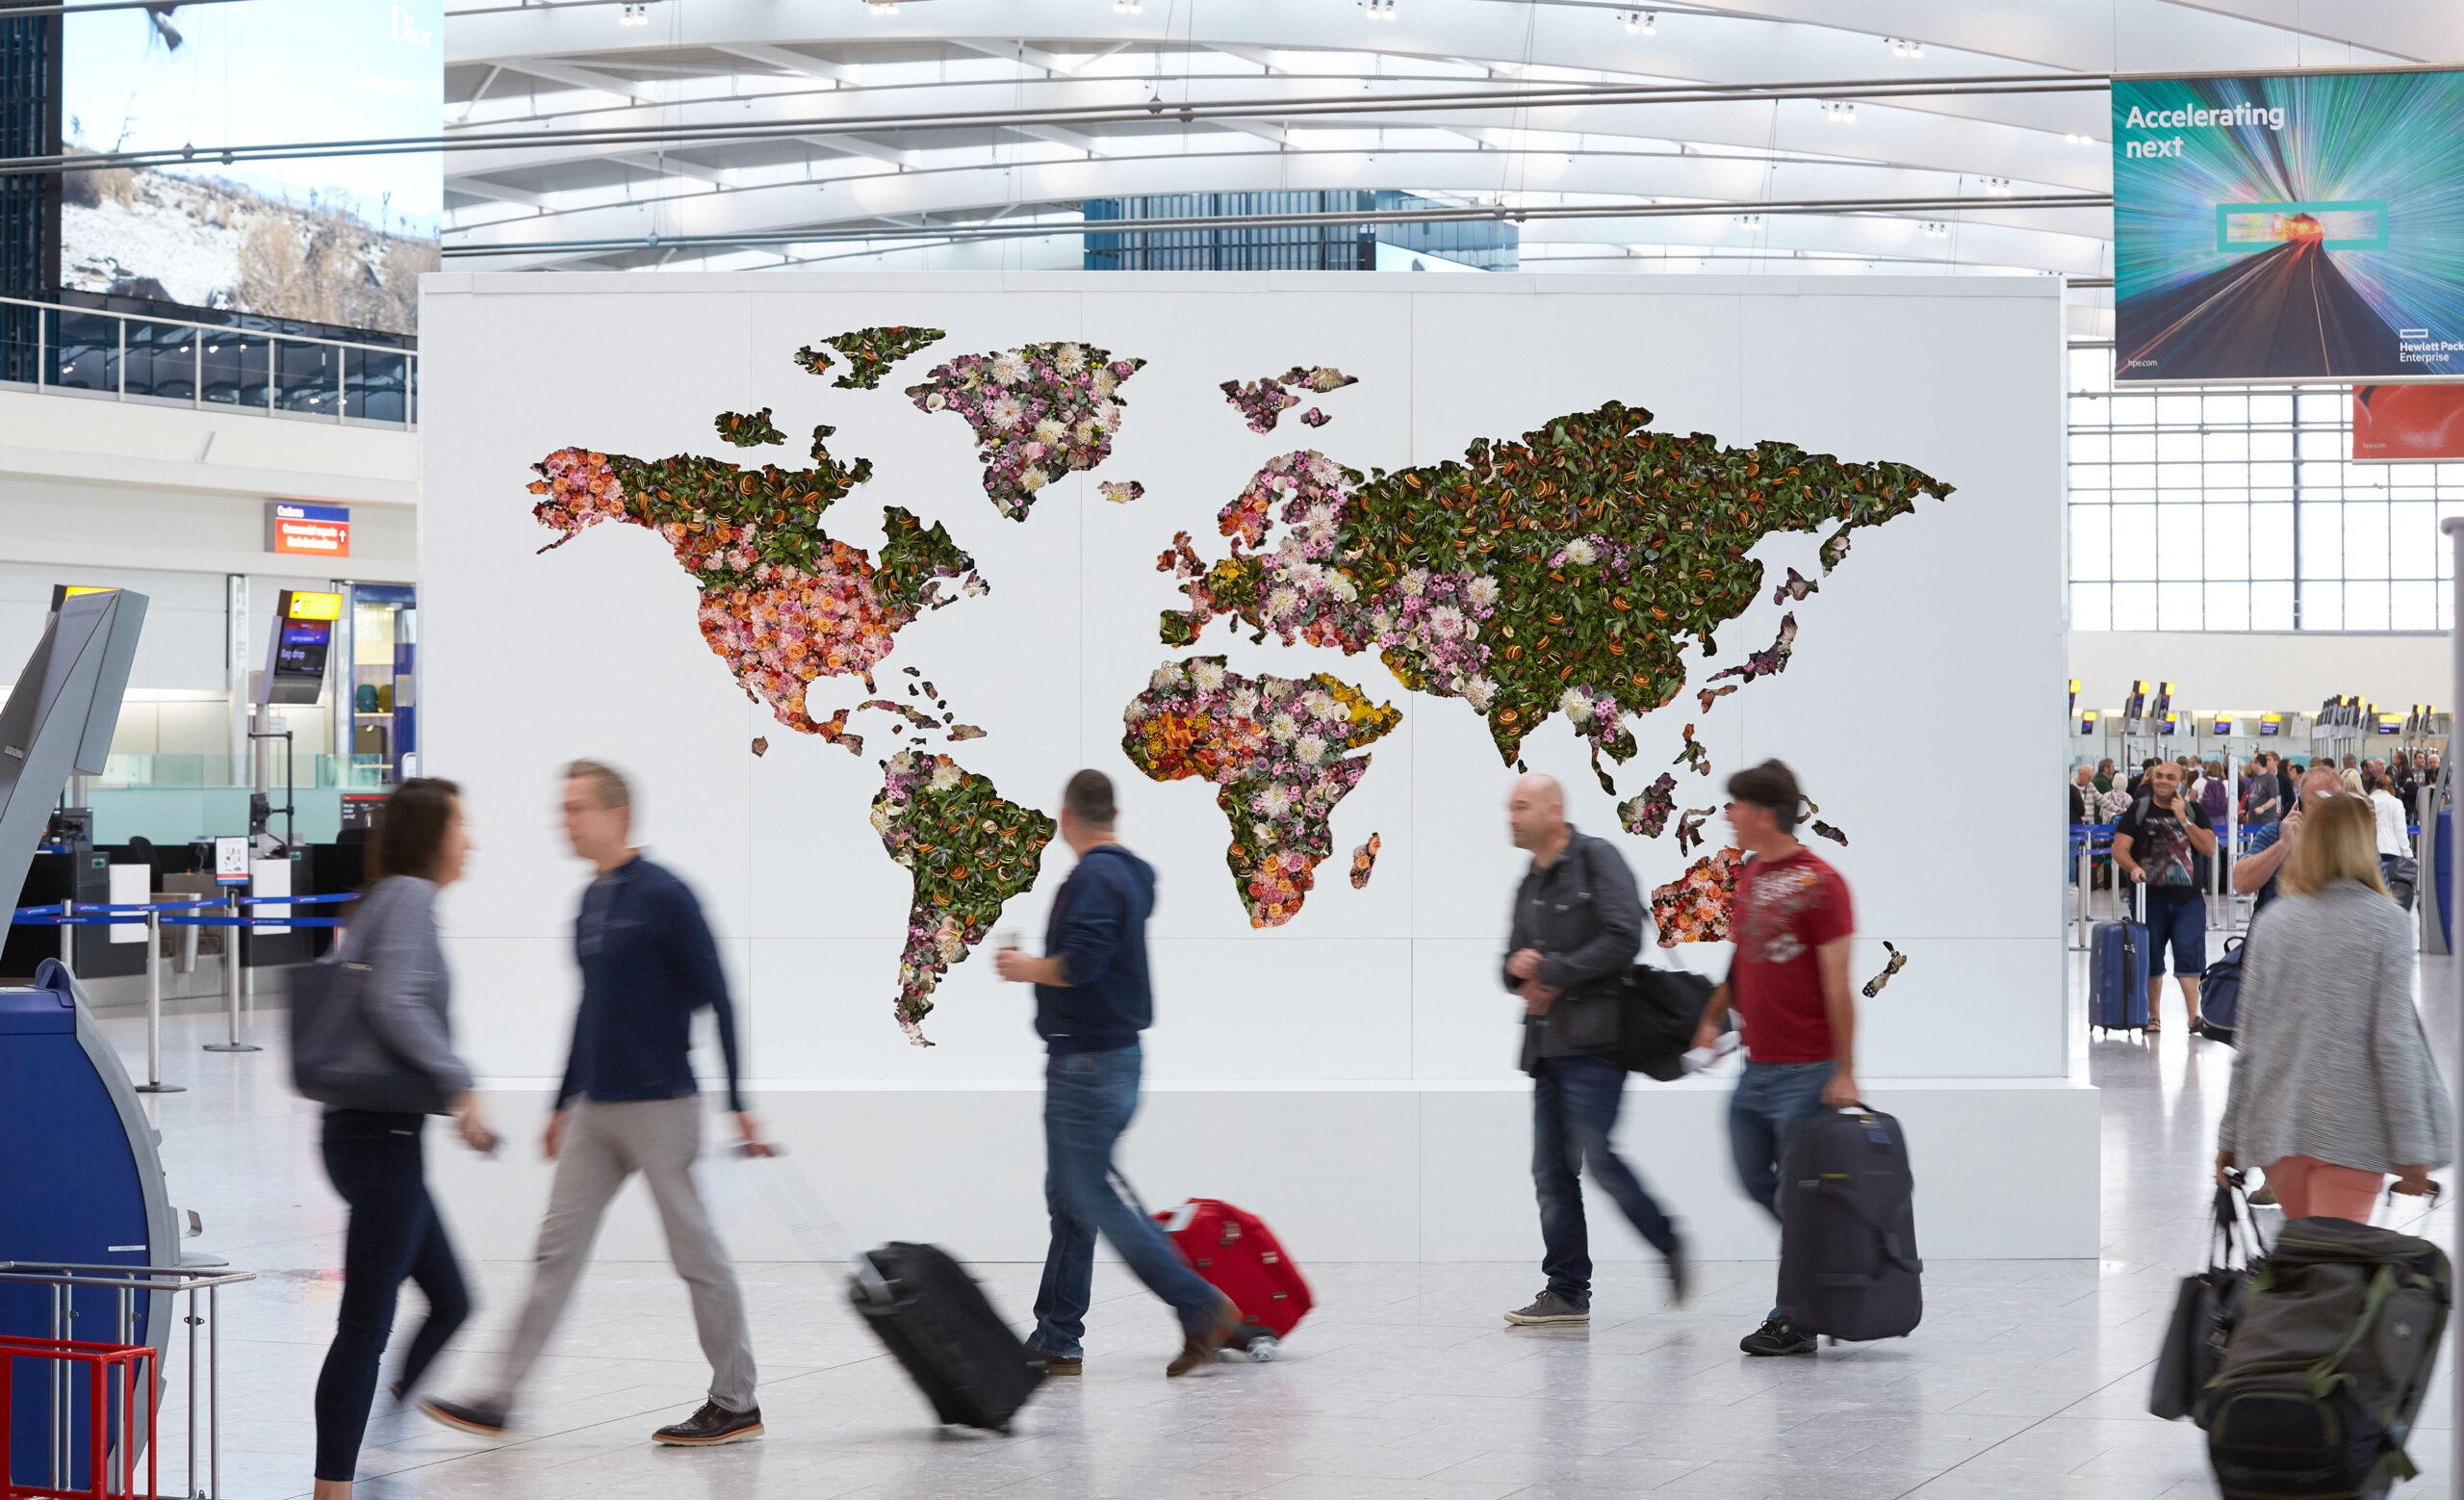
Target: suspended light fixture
{"x": 1650, "y": 24}
{"x": 1937, "y": 231}
{"x": 634, "y": 16}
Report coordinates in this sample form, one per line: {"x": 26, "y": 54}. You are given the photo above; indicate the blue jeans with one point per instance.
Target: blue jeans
{"x": 1087, "y": 1101}
{"x": 1574, "y": 1110}
{"x": 2182, "y": 927}
{"x": 1769, "y": 1100}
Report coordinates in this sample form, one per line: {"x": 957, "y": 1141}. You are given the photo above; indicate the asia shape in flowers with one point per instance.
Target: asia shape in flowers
{"x": 1275, "y": 748}
{"x": 967, "y": 850}
{"x": 1039, "y": 412}
{"x": 1696, "y": 906}
{"x": 1647, "y": 813}
{"x": 870, "y": 352}
{"x": 781, "y": 601}
{"x": 1588, "y": 555}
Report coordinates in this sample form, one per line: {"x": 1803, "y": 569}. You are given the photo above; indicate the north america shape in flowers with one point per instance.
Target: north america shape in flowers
{"x": 1039, "y": 412}
{"x": 782, "y": 603}
{"x": 1274, "y": 748}
{"x": 1561, "y": 574}
{"x": 967, "y": 850}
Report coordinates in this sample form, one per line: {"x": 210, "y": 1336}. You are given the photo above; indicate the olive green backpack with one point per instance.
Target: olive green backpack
{"x": 2325, "y": 1372}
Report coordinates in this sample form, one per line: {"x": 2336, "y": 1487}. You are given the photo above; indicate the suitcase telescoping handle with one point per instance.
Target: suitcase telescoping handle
{"x": 811, "y": 1222}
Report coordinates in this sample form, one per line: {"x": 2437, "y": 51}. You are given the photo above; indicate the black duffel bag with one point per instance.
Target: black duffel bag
{"x": 2207, "y": 1306}
{"x": 1658, "y": 1010}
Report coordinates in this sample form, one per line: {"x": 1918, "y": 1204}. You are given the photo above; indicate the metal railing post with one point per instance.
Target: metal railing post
{"x": 119, "y": 326}
{"x": 2454, "y": 527}
{"x": 154, "y": 1084}
{"x": 231, "y": 985}
{"x": 68, "y": 936}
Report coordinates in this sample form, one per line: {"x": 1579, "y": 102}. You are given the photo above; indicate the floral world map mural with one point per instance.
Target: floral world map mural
{"x": 1039, "y": 412}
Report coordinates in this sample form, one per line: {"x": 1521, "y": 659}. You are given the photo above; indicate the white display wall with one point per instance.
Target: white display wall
{"x": 1350, "y": 1075}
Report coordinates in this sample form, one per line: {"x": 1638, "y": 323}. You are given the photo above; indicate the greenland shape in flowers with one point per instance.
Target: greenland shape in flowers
{"x": 1039, "y": 412}
{"x": 1561, "y": 574}
{"x": 1696, "y": 906}
{"x": 783, "y": 604}
{"x": 870, "y": 352}
{"x": 1275, "y": 749}
{"x": 967, "y": 852}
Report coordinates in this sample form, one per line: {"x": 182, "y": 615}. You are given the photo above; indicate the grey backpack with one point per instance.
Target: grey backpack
{"x": 2326, "y": 1370}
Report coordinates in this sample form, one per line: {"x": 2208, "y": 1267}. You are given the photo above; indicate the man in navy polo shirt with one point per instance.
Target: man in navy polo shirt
{"x": 629, "y": 1103}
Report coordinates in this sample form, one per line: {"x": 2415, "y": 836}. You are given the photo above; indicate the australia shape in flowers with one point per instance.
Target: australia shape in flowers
{"x": 967, "y": 852}
{"x": 1039, "y": 412}
{"x": 1696, "y": 906}
{"x": 782, "y": 603}
{"x": 1274, "y": 748}
{"x": 1561, "y": 574}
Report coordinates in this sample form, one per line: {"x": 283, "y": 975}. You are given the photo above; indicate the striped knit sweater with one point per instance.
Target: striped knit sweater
{"x": 2333, "y": 1063}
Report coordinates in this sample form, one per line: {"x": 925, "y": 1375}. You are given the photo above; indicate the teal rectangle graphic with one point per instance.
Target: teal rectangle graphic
{"x": 2330, "y": 218}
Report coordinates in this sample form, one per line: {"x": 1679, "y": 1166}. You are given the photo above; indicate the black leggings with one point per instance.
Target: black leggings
{"x": 374, "y": 1162}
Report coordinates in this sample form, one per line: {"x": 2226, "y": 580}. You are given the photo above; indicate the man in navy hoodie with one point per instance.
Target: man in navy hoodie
{"x": 1091, "y": 1001}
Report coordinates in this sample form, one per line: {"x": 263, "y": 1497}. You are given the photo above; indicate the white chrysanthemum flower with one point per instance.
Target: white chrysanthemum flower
{"x": 1102, "y": 383}
{"x": 1273, "y": 802}
{"x": 1446, "y": 622}
{"x": 1414, "y": 582}
{"x": 881, "y": 818}
{"x": 902, "y": 763}
{"x": 1208, "y": 675}
{"x": 1051, "y": 433}
{"x": 1003, "y": 412}
{"x": 1479, "y": 693}
{"x": 1284, "y": 727}
{"x": 1310, "y": 748}
{"x": 1322, "y": 468}
{"x": 944, "y": 777}
{"x": 1108, "y": 417}
{"x": 1481, "y": 591}
{"x": 1342, "y": 586}
{"x": 1283, "y": 602}
{"x": 1383, "y": 621}
{"x": 1032, "y": 479}
{"x": 1069, "y": 360}
{"x": 1581, "y": 553}
{"x": 1009, "y": 368}
{"x": 1576, "y": 705}
{"x": 1086, "y": 431}
{"x": 1166, "y": 677}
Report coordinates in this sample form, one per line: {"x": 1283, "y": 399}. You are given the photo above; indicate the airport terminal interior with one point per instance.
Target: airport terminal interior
{"x": 1786, "y": 608}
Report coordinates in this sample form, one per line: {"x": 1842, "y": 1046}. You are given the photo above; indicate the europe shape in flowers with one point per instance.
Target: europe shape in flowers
{"x": 1562, "y": 574}
{"x": 1274, "y": 748}
{"x": 968, "y": 851}
{"x": 781, "y": 601}
{"x": 1039, "y": 412}
{"x": 1696, "y": 906}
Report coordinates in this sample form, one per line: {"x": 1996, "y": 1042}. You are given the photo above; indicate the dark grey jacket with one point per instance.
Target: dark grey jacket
{"x": 1586, "y": 917}
{"x": 402, "y": 995}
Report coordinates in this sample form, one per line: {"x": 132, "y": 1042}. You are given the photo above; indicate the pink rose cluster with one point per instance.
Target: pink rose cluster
{"x": 1275, "y": 749}
{"x": 1039, "y": 412}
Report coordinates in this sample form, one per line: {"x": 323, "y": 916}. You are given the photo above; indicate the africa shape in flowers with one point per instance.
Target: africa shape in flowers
{"x": 1039, "y": 412}
{"x": 968, "y": 851}
{"x": 781, "y": 601}
{"x": 1561, "y": 574}
{"x": 1274, "y": 748}
{"x": 1696, "y": 906}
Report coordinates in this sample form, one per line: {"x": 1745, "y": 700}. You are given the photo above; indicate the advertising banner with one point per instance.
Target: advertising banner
{"x": 2286, "y": 227}
{"x": 337, "y": 240}
{"x": 2407, "y": 424}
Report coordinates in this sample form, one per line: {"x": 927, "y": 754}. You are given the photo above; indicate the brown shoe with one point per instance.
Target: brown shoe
{"x": 1198, "y": 1347}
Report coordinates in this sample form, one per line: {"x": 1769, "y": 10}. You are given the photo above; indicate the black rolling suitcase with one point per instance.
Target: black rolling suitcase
{"x": 1848, "y": 1266}
{"x": 926, "y": 1309}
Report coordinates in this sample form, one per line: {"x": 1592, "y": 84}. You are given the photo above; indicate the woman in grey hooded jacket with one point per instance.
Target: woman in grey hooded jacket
{"x": 2335, "y": 1087}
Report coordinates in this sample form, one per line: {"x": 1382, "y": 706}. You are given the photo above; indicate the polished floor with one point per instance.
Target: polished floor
{"x": 2027, "y": 1378}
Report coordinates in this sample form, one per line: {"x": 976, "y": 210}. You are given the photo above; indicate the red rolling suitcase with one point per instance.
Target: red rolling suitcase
{"x": 1240, "y": 1257}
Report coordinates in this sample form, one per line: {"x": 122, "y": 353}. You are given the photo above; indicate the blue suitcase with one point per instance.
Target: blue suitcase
{"x": 2118, "y": 975}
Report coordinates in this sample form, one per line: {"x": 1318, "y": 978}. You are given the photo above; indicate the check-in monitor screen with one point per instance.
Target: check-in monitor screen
{"x": 302, "y": 652}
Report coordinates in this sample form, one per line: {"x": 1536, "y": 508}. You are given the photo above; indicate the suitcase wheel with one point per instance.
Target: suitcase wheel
{"x": 1264, "y": 1347}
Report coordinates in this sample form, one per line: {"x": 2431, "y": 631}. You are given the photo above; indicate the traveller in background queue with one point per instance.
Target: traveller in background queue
{"x": 1092, "y": 998}
{"x": 2215, "y": 794}
{"x": 629, "y": 1103}
{"x": 1794, "y": 927}
{"x": 374, "y": 1157}
{"x": 2261, "y": 801}
{"x": 2334, "y": 1086}
{"x": 2352, "y": 784}
{"x": 2083, "y": 795}
{"x": 2288, "y": 784}
{"x": 2139, "y": 782}
{"x": 1577, "y": 925}
{"x": 2158, "y": 844}
{"x": 2254, "y": 873}
{"x": 2394, "y": 842}
{"x": 2104, "y": 776}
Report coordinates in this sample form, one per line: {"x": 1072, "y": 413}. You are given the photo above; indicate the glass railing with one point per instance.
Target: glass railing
{"x": 125, "y": 356}
{"x": 352, "y": 772}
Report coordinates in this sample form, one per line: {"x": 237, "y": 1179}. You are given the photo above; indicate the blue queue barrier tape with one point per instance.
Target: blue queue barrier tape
{"x": 297, "y": 900}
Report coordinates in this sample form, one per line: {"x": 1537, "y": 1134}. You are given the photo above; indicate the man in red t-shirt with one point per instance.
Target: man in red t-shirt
{"x": 1793, "y": 925}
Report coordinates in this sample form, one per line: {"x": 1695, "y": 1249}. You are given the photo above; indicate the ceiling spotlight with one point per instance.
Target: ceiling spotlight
{"x": 1997, "y": 187}
{"x": 1633, "y": 23}
{"x": 881, "y": 6}
{"x": 1379, "y": 10}
{"x": 1650, "y": 24}
{"x": 1129, "y": 7}
{"x": 1748, "y": 221}
{"x": 1937, "y": 231}
{"x": 2076, "y": 138}
{"x": 1840, "y": 114}
{"x": 1898, "y": 48}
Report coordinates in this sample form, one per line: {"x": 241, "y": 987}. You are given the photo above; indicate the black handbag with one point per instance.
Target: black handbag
{"x": 2207, "y": 1306}
{"x": 336, "y": 1058}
